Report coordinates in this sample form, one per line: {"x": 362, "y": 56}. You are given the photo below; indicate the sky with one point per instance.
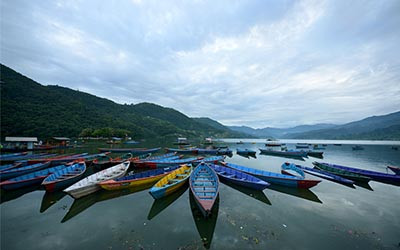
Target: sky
{"x": 255, "y": 63}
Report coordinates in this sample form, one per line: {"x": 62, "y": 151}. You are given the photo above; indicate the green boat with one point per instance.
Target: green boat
{"x": 343, "y": 173}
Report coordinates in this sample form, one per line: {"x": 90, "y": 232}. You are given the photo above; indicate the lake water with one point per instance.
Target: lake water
{"x": 328, "y": 216}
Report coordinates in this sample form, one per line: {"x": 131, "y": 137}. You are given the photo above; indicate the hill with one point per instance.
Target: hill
{"x": 31, "y": 109}
{"x": 219, "y": 126}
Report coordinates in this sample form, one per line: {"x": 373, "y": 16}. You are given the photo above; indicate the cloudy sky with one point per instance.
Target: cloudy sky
{"x": 256, "y": 63}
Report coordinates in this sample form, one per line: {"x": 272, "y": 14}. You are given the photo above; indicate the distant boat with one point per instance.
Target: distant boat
{"x": 240, "y": 142}
{"x": 204, "y": 185}
{"x": 316, "y": 154}
{"x": 135, "y": 151}
{"x": 245, "y": 151}
{"x": 273, "y": 144}
{"x": 302, "y": 146}
{"x": 337, "y": 144}
{"x": 290, "y": 153}
{"x": 395, "y": 148}
{"x": 357, "y": 147}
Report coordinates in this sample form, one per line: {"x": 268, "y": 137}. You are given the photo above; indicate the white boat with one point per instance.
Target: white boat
{"x": 90, "y": 184}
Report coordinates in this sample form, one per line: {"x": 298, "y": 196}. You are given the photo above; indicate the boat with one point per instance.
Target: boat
{"x": 316, "y": 154}
{"x": 171, "y": 182}
{"x": 376, "y": 176}
{"x": 131, "y": 142}
{"x": 204, "y": 185}
{"x": 290, "y": 153}
{"x": 102, "y": 162}
{"x": 344, "y": 173}
{"x": 14, "y": 172}
{"x": 90, "y": 185}
{"x": 10, "y": 166}
{"x": 182, "y": 150}
{"x": 316, "y": 147}
{"x": 134, "y": 151}
{"x": 357, "y": 147}
{"x": 319, "y": 173}
{"x": 137, "y": 179}
{"x": 337, "y": 144}
{"x": 275, "y": 178}
{"x": 29, "y": 179}
{"x": 64, "y": 177}
{"x": 239, "y": 178}
{"x": 240, "y": 142}
{"x": 5, "y": 156}
{"x": 211, "y": 159}
{"x": 302, "y": 146}
{"x": 395, "y": 148}
{"x": 273, "y": 144}
{"x": 245, "y": 151}
{"x": 212, "y": 151}
{"x": 165, "y": 162}
{"x": 394, "y": 169}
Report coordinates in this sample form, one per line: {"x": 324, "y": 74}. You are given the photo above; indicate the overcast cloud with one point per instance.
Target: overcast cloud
{"x": 256, "y": 63}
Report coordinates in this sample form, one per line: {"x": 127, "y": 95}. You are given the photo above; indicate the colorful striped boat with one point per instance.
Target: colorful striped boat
{"x": 171, "y": 182}
{"x": 14, "y": 172}
{"x": 341, "y": 172}
{"x": 137, "y": 179}
{"x": 30, "y": 179}
{"x": 64, "y": 177}
{"x": 204, "y": 184}
{"x": 376, "y": 176}
{"x": 276, "y": 178}
{"x": 239, "y": 178}
{"x": 90, "y": 185}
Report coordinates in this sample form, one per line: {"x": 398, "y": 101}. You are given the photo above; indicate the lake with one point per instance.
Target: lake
{"x": 328, "y": 216}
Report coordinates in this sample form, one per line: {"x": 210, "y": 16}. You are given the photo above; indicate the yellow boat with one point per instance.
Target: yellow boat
{"x": 171, "y": 182}
{"x": 137, "y": 179}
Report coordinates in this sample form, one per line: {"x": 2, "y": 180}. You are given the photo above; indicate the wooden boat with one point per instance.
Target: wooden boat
{"x": 357, "y": 147}
{"x": 273, "y": 144}
{"x": 64, "y": 177}
{"x": 204, "y": 184}
{"x": 341, "y": 172}
{"x": 239, "y": 178}
{"x": 10, "y": 166}
{"x": 165, "y": 163}
{"x": 90, "y": 185}
{"x": 5, "y": 156}
{"x": 137, "y": 179}
{"x": 290, "y": 153}
{"x": 134, "y": 151}
{"x": 337, "y": 144}
{"x": 211, "y": 159}
{"x": 376, "y": 176}
{"x": 319, "y": 173}
{"x": 276, "y": 178}
{"x": 14, "y": 172}
{"x": 316, "y": 154}
{"x": 396, "y": 170}
{"x": 302, "y": 146}
{"x": 29, "y": 179}
{"x": 245, "y": 151}
{"x": 57, "y": 160}
{"x": 171, "y": 182}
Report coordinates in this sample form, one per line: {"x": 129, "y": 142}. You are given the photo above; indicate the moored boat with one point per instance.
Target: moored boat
{"x": 137, "y": 179}
{"x": 204, "y": 185}
{"x": 14, "y": 172}
{"x": 342, "y": 172}
{"x": 357, "y": 147}
{"x": 316, "y": 154}
{"x": 245, "y": 151}
{"x": 276, "y": 178}
{"x": 239, "y": 178}
{"x": 134, "y": 151}
{"x": 90, "y": 185}
{"x": 171, "y": 182}
{"x": 182, "y": 150}
{"x": 290, "y": 153}
{"x": 29, "y": 179}
{"x": 394, "y": 169}
{"x": 64, "y": 177}
{"x": 321, "y": 174}
{"x": 376, "y": 176}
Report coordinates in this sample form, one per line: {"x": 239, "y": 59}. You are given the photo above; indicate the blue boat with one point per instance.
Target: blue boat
{"x": 29, "y": 179}
{"x": 239, "y": 178}
{"x": 14, "y": 172}
{"x": 10, "y": 166}
{"x": 204, "y": 185}
{"x": 183, "y": 150}
{"x": 376, "y": 176}
{"x": 288, "y": 153}
{"x": 319, "y": 173}
{"x": 276, "y": 178}
{"x": 64, "y": 177}
{"x": 211, "y": 159}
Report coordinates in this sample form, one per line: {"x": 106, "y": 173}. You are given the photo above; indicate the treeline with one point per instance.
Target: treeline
{"x": 105, "y": 132}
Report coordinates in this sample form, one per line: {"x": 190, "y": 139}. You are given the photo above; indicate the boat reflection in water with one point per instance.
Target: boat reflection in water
{"x": 247, "y": 155}
{"x": 298, "y": 192}
{"x": 256, "y": 194}
{"x": 160, "y": 204}
{"x": 14, "y": 194}
{"x": 363, "y": 185}
{"x": 51, "y": 198}
{"x": 81, "y": 204}
{"x": 205, "y": 226}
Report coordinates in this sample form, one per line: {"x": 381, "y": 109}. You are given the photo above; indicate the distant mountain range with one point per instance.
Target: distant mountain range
{"x": 384, "y": 127}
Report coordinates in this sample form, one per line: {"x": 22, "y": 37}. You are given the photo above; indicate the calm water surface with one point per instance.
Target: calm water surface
{"x": 328, "y": 216}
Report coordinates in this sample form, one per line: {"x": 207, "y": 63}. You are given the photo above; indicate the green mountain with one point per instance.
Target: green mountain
{"x": 31, "y": 109}
{"x": 219, "y": 126}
